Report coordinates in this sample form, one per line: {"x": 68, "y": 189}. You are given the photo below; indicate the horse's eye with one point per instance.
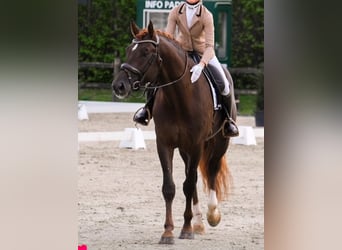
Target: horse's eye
{"x": 145, "y": 51}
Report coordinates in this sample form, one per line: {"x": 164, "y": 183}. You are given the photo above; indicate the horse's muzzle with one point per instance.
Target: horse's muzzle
{"x": 121, "y": 89}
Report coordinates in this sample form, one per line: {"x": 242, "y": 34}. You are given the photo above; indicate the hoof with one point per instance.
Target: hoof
{"x": 167, "y": 240}
{"x": 187, "y": 235}
{"x": 214, "y": 217}
{"x": 199, "y": 228}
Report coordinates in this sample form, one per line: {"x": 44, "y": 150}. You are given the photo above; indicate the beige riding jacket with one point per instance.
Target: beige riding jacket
{"x": 200, "y": 36}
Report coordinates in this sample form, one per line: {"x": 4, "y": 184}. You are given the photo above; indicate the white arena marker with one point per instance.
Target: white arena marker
{"x": 82, "y": 112}
{"x": 246, "y": 136}
{"x": 133, "y": 138}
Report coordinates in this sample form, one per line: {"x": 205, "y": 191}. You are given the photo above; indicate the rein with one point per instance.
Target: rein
{"x": 172, "y": 82}
{"x": 141, "y": 74}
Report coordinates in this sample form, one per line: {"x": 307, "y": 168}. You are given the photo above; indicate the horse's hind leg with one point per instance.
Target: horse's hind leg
{"x": 168, "y": 189}
{"x": 213, "y": 214}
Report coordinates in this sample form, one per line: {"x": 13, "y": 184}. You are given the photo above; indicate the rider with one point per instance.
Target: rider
{"x": 196, "y": 28}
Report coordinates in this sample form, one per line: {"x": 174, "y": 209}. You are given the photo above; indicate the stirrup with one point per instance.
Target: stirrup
{"x": 227, "y": 122}
{"x": 142, "y": 120}
{"x": 232, "y": 121}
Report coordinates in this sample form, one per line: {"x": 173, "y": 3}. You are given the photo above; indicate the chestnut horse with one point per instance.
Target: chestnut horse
{"x": 184, "y": 118}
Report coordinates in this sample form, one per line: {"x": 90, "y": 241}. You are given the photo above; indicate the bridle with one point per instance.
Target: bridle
{"x": 136, "y": 85}
{"x": 141, "y": 74}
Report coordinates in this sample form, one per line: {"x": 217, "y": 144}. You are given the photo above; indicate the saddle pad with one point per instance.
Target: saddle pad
{"x": 196, "y": 57}
{"x": 217, "y": 106}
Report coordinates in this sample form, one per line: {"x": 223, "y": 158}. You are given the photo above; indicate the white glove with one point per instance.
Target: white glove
{"x": 196, "y": 72}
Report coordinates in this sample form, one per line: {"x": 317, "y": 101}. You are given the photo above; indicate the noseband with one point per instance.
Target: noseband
{"x": 136, "y": 85}
{"x": 141, "y": 74}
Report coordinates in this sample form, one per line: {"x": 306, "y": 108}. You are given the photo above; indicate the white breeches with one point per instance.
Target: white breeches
{"x": 215, "y": 62}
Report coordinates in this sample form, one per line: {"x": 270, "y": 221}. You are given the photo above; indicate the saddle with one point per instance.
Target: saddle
{"x": 213, "y": 78}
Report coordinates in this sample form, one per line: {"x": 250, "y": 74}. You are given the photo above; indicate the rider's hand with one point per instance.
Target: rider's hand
{"x": 196, "y": 72}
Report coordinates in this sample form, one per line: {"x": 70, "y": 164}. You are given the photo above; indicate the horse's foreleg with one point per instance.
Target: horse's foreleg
{"x": 197, "y": 219}
{"x": 189, "y": 188}
{"x": 169, "y": 194}
{"x": 169, "y": 191}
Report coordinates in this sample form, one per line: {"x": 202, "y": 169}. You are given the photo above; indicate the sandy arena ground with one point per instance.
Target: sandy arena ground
{"x": 121, "y": 205}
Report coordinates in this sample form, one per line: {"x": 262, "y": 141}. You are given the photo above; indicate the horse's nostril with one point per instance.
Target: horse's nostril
{"x": 121, "y": 86}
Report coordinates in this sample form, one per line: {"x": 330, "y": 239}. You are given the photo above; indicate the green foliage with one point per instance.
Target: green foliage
{"x": 105, "y": 95}
{"x": 248, "y": 33}
{"x": 247, "y": 104}
{"x": 245, "y": 81}
{"x": 248, "y": 45}
{"x": 103, "y": 33}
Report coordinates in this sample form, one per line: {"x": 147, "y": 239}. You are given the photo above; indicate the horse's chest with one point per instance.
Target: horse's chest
{"x": 180, "y": 134}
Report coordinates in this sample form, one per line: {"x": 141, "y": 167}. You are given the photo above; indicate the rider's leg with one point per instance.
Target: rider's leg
{"x": 144, "y": 114}
{"x": 223, "y": 84}
{"x": 231, "y": 129}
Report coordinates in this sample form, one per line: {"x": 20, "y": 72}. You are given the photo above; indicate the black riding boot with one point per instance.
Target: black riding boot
{"x": 144, "y": 114}
{"x": 230, "y": 128}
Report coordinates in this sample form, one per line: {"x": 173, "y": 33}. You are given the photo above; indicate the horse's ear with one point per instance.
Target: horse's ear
{"x": 150, "y": 29}
{"x": 134, "y": 28}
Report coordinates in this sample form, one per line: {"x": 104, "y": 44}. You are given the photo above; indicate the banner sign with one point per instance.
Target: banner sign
{"x": 161, "y": 4}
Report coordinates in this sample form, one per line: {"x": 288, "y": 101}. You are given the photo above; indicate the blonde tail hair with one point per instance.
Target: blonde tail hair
{"x": 223, "y": 182}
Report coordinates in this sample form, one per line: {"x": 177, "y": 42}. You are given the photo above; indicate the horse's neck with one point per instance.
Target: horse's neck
{"x": 174, "y": 69}
{"x": 174, "y": 62}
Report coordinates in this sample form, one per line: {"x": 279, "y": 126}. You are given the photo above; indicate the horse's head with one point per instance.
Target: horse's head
{"x": 142, "y": 64}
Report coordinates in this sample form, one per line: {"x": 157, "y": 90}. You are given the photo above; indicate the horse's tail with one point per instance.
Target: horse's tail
{"x": 223, "y": 180}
